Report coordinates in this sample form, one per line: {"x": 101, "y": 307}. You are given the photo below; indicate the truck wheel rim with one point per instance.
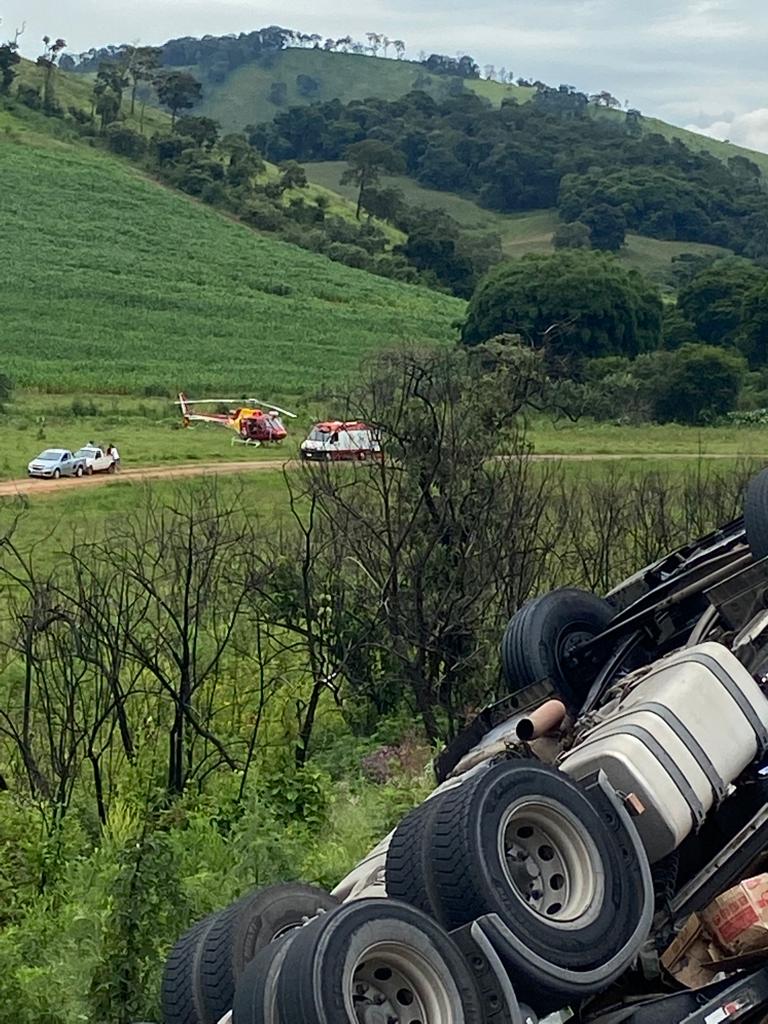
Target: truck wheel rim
{"x": 551, "y": 862}
{"x": 392, "y": 983}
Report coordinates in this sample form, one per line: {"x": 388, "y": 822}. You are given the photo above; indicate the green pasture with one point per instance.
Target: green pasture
{"x": 116, "y": 284}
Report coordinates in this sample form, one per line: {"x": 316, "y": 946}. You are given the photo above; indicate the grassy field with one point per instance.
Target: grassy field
{"x": 648, "y": 440}
{"x": 116, "y": 284}
{"x": 520, "y": 233}
{"x": 147, "y": 433}
{"x": 243, "y": 98}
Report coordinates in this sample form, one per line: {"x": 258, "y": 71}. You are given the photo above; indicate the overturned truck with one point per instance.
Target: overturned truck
{"x": 576, "y": 830}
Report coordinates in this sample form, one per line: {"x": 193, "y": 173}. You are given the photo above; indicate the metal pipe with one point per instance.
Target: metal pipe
{"x": 541, "y": 721}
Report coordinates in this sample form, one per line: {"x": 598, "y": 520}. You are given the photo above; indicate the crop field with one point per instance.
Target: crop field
{"x": 116, "y": 284}
{"x": 520, "y": 233}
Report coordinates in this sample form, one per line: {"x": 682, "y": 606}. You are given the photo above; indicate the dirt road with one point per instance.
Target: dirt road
{"x": 10, "y": 488}
{"x": 30, "y": 488}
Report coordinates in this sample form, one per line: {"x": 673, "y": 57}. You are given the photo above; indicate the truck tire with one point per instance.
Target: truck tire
{"x": 180, "y": 996}
{"x": 756, "y": 514}
{"x": 376, "y": 953}
{"x": 522, "y": 840}
{"x": 256, "y": 993}
{"x": 208, "y": 960}
{"x": 407, "y": 872}
{"x": 540, "y": 634}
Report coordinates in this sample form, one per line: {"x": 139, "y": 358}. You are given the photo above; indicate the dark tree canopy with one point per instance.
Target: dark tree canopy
{"x": 713, "y": 299}
{"x": 581, "y": 304}
{"x": 753, "y": 340}
{"x": 178, "y": 90}
{"x": 574, "y": 235}
{"x": 547, "y": 153}
{"x": 701, "y": 385}
{"x": 607, "y": 227}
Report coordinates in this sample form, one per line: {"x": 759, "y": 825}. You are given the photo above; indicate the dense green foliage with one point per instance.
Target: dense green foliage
{"x": 713, "y": 300}
{"x": 129, "y": 286}
{"x": 701, "y": 384}
{"x": 541, "y": 155}
{"x": 580, "y": 304}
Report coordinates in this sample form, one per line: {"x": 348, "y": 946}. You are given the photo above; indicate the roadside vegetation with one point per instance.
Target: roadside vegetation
{"x": 141, "y": 787}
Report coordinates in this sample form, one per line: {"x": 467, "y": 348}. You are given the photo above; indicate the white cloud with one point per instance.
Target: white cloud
{"x": 749, "y": 130}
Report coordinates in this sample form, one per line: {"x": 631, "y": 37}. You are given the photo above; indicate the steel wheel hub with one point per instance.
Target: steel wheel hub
{"x": 394, "y": 985}
{"x": 551, "y": 861}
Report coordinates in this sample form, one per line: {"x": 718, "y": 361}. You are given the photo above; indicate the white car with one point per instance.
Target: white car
{"x": 95, "y": 460}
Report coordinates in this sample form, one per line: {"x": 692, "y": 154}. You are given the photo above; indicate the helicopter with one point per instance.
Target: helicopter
{"x": 253, "y": 425}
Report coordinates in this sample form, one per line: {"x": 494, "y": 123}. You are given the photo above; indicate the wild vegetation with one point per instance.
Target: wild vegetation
{"x": 195, "y": 699}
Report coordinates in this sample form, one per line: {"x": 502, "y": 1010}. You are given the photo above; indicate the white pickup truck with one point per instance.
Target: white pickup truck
{"x": 95, "y": 460}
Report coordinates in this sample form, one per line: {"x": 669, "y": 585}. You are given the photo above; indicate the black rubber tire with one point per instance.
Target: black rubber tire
{"x": 407, "y": 872}
{"x": 242, "y": 930}
{"x": 255, "y": 999}
{"x": 79, "y": 471}
{"x": 317, "y": 966}
{"x": 756, "y": 514}
{"x": 180, "y": 998}
{"x": 539, "y": 633}
{"x": 56, "y": 474}
{"x": 467, "y": 877}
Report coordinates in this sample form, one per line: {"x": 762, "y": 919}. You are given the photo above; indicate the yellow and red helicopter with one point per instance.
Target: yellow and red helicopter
{"x": 252, "y": 424}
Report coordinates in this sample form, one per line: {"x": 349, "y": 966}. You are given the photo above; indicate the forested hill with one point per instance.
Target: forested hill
{"x": 250, "y": 77}
{"x": 607, "y": 176}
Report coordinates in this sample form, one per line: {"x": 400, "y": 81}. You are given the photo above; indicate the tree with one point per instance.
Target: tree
{"x": 374, "y": 42}
{"x": 178, "y": 90}
{"x": 108, "y": 92}
{"x": 575, "y": 235}
{"x": 203, "y": 130}
{"x": 576, "y": 304}
{"x": 384, "y": 203}
{"x": 47, "y": 61}
{"x": 366, "y": 162}
{"x": 753, "y": 336}
{"x": 278, "y": 93}
{"x": 713, "y": 300}
{"x": 141, "y": 64}
{"x": 292, "y": 175}
{"x": 9, "y": 58}
{"x": 306, "y": 85}
{"x": 399, "y": 46}
{"x": 702, "y": 385}
{"x": 607, "y": 227}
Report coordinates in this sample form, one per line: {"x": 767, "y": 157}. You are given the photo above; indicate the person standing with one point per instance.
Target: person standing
{"x": 112, "y": 450}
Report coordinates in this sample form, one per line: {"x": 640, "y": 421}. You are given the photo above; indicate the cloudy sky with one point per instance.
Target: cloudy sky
{"x": 697, "y": 63}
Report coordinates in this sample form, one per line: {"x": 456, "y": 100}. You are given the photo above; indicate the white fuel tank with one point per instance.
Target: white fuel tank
{"x": 677, "y": 740}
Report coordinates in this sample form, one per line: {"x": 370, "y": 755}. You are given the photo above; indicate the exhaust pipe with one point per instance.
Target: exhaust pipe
{"x": 541, "y": 721}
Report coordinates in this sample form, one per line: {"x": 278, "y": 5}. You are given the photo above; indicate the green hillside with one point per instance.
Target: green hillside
{"x": 243, "y": 97}
{"x": 520, "y": 233}
{"x": 116, "y": 284}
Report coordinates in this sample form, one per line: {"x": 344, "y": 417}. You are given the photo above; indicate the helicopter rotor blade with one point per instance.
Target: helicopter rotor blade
{"x": 269, "y": 405}
{"x": 208, "y": 401}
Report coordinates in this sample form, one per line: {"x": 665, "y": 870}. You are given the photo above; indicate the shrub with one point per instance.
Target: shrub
{"x": 125, "y": 141}
{"x": 702, "y": 385}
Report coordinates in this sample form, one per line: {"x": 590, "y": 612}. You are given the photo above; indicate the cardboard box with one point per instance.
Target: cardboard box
{"x": 738, "y": 919}
{"x": 689, "y": 958}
